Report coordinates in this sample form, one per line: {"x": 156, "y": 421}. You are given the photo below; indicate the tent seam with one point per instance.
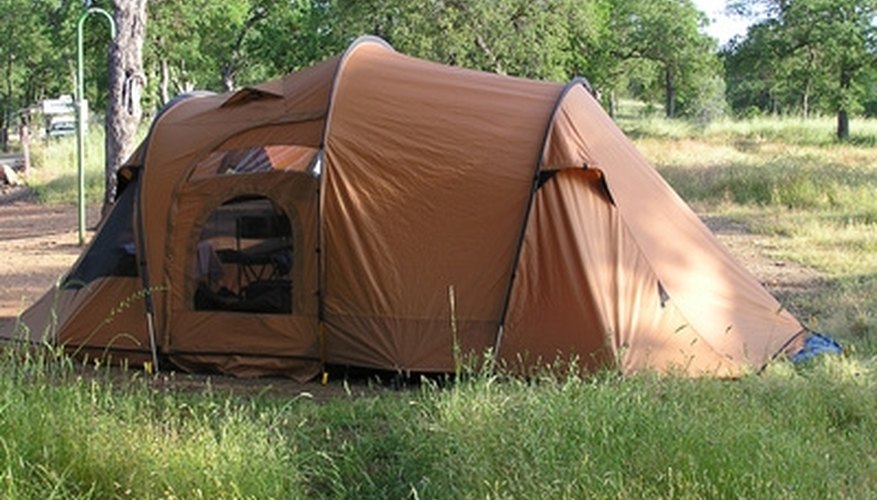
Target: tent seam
{"x": 534, "y": 188}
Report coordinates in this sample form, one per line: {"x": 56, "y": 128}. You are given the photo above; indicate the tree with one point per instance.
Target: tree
{"x": 753, "y": 72}
{"x": 535, "y": 39}
{"x": 126, "y": 83}
{"x": 824, "y": 45}
{"x": 222, "y": 45}
{"x": 233, "y": 23}
{"x": 667, "y": 35}
{"x": 294, "y": 34}
{"x": 171, "y": 53}
{"x": 30, "y": 65}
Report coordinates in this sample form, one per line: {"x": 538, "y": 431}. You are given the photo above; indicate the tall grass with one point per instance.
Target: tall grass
{"x": 69, "y": 435}
{"x": 808, "y": 433}
{"x": 54, "y": 176}
{"x": 818, "y": 131}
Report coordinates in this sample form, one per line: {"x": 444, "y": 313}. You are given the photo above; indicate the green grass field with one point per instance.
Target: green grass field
{"x": 73, "y": 431}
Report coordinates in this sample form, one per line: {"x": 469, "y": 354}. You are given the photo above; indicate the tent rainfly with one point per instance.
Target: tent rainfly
{"x": 322, "y": 219}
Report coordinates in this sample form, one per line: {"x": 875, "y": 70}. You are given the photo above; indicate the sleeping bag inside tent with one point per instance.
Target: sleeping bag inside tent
{"x": 324, "y": 217}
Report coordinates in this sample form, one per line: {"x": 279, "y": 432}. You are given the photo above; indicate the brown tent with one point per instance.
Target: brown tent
{"x": 333, "y": 216}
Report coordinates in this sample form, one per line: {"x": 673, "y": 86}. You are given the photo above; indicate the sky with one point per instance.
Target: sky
{"x": 722, "y": 26}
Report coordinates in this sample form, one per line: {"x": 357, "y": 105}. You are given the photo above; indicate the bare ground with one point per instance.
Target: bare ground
{"x": 785, "y": 280}
{"x": 38, "y": 243}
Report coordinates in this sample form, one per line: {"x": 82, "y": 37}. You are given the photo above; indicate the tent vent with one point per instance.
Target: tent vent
{"x": 544, "y": 177}
{"x": 249, "y": 94}
{"x": 662, "y": 294}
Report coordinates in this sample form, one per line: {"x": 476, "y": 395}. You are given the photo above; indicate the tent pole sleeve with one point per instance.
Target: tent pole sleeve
{"x": 321, "y": 278}
{"x": 526, "y": 216}
{"x": 143, "y": 269}
{"x": 144, "y": 275}
{"x": 321, "y": 190}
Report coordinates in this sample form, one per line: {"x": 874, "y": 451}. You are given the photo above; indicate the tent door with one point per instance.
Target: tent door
{"x": 243, "y": 268}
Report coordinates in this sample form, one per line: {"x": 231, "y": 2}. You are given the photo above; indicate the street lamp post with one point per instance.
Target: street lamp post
{"x": 80, "y": 111}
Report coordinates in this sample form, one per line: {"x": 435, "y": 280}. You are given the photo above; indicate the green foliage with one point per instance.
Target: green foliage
{"x": 664, "y": 39}
{"x": 813, "y": 56}
{"x": 806, "y": 56}
{"x": 223, "y": 45}
{"x": 540, "y": 39}
{"x": 229, "y": 38}
{"x": 31, "y": 63}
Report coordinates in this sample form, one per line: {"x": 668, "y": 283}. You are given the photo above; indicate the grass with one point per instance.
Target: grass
{"x": 77, "y": 432}
{"x": 68, "y": 436}
{"x": 54, "y": 177}
{"x": 74, "y": 431}
{"x": 789, "y": 130}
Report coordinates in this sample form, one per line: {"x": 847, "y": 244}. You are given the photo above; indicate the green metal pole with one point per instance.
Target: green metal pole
{"x": 80, "y": 112}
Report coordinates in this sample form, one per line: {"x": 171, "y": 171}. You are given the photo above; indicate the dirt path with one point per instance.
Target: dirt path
{"x": 785, "y": 280}
{"x": 38, "y": 243}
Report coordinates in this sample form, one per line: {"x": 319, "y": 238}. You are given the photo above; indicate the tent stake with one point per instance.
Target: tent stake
{"x": 152, "y": 346}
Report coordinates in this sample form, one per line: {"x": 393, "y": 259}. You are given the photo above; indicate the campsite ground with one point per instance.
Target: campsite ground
{"x": 38, "y": 242}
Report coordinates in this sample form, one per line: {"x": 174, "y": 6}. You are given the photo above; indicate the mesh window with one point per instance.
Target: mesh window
{"x": 253, "y": 161}
{"x": 112, "y": 252}
{"x": 243, "y": 259}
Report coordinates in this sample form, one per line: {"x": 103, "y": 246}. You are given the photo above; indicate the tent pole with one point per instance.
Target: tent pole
{"x": 140, "y": 234}
{"x": 319, "y": 168}
{"x": 150, "y": 327}
{"x": 526, "y": 216}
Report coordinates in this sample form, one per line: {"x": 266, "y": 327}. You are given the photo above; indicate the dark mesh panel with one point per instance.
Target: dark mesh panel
{"x": 112, "y": 252}
{"x": 244, "y": 259}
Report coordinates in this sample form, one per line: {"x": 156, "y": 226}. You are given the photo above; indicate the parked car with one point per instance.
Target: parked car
{"x": 62, "y": 128}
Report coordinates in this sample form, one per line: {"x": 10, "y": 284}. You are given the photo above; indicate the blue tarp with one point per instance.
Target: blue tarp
{"x": 816, "y": 344}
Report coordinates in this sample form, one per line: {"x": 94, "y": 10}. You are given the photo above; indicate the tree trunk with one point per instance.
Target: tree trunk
{"x": 805, "y": 100}
{"x": 670, "y": 93}
{"x": 24, "y": 133}
{"x": 613, "y": 104}
{"x": 843, "y": 125}
{"x": 843, "y": 118}
{"x": 5, "y": 120}
{"x": 126, "y": 83}
{"x": 228, "y": 74}
{"x": 164, "y": 82}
